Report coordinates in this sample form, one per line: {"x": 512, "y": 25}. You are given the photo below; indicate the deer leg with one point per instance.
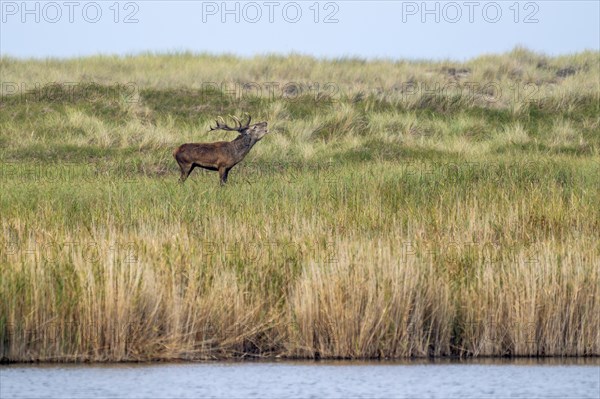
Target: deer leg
{"x": 223, "y": 172}
{"x": 186, "y": 169}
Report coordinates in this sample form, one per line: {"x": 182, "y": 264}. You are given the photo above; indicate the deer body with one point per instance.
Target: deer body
{"x": 220, "y": 156}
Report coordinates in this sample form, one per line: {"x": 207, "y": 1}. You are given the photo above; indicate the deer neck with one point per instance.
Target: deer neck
{"x": 242, "y": 146}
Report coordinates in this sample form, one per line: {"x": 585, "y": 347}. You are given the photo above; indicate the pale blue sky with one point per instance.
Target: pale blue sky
{"x": 390, "y": 29}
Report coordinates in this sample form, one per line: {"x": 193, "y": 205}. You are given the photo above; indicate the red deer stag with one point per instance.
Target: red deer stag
{"x": 222, "y": 155}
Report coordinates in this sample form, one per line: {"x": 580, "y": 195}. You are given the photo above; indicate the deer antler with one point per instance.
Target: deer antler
{"x": 247, "y": 125}
{"x": 221, "y": 125}
{"x": 236, "y": 121}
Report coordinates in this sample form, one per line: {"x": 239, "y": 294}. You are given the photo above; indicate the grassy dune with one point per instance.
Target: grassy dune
{"x": 397, "y": 209}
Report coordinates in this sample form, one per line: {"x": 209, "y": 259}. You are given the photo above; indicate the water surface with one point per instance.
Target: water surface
{"x": 417, "y": 379}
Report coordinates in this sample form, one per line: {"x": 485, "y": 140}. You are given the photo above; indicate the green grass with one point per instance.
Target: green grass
{"x": 374, "y": 221}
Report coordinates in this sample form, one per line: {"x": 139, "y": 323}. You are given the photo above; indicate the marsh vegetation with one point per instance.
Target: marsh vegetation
{"x": 397, "y": 208}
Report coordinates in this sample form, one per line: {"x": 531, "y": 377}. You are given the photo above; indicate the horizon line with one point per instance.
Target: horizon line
{"x": 349, "y": 57}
